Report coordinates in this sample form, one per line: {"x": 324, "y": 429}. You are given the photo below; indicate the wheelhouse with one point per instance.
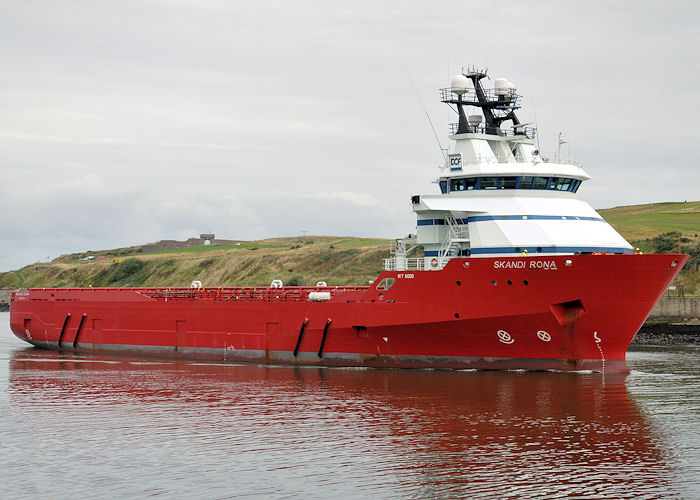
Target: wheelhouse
{"x": 509, "y": 182}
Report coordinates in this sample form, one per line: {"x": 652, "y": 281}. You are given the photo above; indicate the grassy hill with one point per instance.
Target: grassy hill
{"x": 640, "y": 222}
{"x": 308, "y": 259}
{"x": 655, "y": 227}
{"x": 336, "y": 260}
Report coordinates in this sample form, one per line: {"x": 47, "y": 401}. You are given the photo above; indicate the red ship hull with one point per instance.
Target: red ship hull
{"x": 564, "y": 313}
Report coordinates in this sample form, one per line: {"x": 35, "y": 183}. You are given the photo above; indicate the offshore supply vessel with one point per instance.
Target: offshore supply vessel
{"x": 517, "y": 272}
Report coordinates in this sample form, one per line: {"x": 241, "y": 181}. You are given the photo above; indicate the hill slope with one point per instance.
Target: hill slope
{"x": 655, "y": 227}
{"x": 638, "y": 222}
{"x": 336, "y": 260}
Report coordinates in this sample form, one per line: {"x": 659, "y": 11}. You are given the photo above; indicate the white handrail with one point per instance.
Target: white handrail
{"x": 412, "y": 264}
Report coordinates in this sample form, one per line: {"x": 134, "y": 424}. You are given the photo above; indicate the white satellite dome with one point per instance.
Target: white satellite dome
{"x": 501, "y": 86}
{"x": 460, "y": 84}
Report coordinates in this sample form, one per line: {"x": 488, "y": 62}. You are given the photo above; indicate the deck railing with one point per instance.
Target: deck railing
{"x": 529, "y": 132}
{"x": 403, "y": 264}
{"x": 223, "y": 294}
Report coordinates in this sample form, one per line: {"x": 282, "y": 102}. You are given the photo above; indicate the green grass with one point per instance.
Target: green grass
{"x": 646, "y": 221}
{"x": 356, "y": 243}
{"x": 20, "y": 278}
{"x": 209, "y": 248}
{"x": 667, "y": 222}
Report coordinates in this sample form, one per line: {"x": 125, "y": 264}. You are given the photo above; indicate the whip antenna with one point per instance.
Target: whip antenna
{"x": 442, "y": 151}
{"x": 534, "y": 112}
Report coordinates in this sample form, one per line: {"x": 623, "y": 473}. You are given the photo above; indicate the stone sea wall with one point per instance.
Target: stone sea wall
{"x": 674, "y": 321}
{"x": 5, "y": 300}
{"x": 676, "y": 309}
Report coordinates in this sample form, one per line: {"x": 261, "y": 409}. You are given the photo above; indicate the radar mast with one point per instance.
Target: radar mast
{"x": 497, "y": 104}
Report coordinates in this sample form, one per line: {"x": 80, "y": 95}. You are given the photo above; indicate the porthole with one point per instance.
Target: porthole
{"x": 494, "y": 283}
{"x": 459, "y": 283}
{"x": 457, "y": 315}
{"x": 510, "y": 282}
{"x": 539, "y": 249}
{"x": 525, "y": 282}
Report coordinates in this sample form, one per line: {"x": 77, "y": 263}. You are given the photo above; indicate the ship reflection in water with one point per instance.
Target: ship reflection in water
{"x": 124, "y": 426}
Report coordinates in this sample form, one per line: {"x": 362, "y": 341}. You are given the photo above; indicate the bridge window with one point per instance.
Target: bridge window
{"x": 540, "y": 183}
{"x": 463, "y": 184}
{"x": 525, "y": 182}
{"x": 488, "y": 183}
{"x": 511, "y": 182}
{"x": 560, "y": 183}
{"x": 507, "y": 182}
{"x": 457, "y": 185}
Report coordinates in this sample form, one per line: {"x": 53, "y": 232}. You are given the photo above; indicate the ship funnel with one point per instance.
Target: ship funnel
{"x": 460, "y": 84}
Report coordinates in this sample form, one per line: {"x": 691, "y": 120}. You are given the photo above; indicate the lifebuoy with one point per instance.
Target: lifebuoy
{"x": 433, "y": 262}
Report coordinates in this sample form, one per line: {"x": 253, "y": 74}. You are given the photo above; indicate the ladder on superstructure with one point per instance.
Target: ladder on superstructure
{"x": 453, "y": 241}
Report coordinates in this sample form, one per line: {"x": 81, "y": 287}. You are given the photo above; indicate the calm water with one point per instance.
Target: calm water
{"x": 79, "y": 426}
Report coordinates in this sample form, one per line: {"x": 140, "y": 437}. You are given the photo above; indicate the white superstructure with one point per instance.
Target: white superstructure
{"x": 498, "y": 196}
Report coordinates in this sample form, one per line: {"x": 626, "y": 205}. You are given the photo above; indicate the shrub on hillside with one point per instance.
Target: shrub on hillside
{"x": 206, "y": 263}
{"x": 694, "y": 262}
{"x": 124, "y": 269}
{"x": 667, "y": 243}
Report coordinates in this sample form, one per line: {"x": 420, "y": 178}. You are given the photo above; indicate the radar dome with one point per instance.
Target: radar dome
{"x": 501, "y": 86}
{"x": 460, "y": 84}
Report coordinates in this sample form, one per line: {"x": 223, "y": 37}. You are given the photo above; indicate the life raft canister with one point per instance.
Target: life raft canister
{"x": 433, "y": 262}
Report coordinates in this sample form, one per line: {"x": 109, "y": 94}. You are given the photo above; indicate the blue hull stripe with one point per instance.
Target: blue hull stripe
{"x": 532, "y": 251}
{"x": 481, "y": 218}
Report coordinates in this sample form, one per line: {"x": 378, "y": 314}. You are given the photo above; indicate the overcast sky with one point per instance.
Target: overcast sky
{"x": 126, "y": 122}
